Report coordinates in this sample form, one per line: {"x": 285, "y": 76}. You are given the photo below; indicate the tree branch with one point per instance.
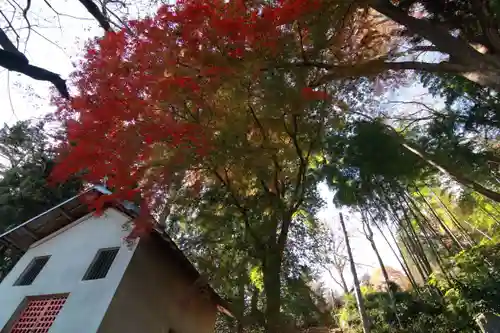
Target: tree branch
{"x": 377, "y": 66}
{"x": 299, "y": 184}
{"x": 25, "y": 15}
{"x": 242, "y": 209}
{"x": 97, "y": 14}
{"x": 17, "y": 62}
{"x": 8, "y": 46}
{"x": 277, "y": 168}
{"x": 438, "y": 36}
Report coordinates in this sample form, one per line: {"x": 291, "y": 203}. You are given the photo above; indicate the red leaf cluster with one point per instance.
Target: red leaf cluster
{"x": 311, "y": 94}
{"x": 132, "y": 84}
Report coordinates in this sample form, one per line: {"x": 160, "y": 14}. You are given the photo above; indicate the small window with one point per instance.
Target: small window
{"x": 32, "y": 271}
{"x": 101, "y": 264}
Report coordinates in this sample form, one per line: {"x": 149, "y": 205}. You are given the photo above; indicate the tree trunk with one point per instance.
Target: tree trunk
{"x": 454, "y": 174}
{"x": 443, "y": 225}
{"x": 416, "y": 246}
{"x": 454, "y": 219}
{"x": 344, "y": 283}
{"x": 242, "y": 281}
{"x": 357, "y": 289}
{"x": 416, "y": 261}
{"x": 480, "y": 68}
{"x": 411, "y": 243}
{"x": 425, "y": 224}
{"x": 369, "y": 237}
{"x": 402, "y": 260}
{"x": 272, "y": 289}
{"x": 430, "y": 243}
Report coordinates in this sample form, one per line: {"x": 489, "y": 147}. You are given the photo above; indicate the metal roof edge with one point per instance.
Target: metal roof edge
{"x": 45, "y": 212}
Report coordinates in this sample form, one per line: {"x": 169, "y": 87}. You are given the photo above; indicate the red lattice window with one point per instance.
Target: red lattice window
{"x": 39, "y": 314}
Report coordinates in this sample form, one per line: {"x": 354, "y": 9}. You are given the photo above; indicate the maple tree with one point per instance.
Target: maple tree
{"x": 150, "y": 98}
{"x": 192, "y": 102}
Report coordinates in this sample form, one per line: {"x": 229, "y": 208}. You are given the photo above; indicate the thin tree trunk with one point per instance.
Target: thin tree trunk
{"x": 412, "y": 244}
{"x": 424, "y": 224}
{"x": 478, "y": 230}
{"x": 403, "y": 262}
{"x": 413, "y": 238}
{"x": 357, "y": 290}
{"x": 441, "y": 222}
{"x": 489, "y": 214}
{"x": 369, "y": 237}
{"x": 414, "y": 241}
{"x": 495, "y": 196}
{"x": 344, "y": 283}
{"x": 454, "y": 219}
{"x": 399, "y": 259}
{"x": 430, "y": 243}
{"x": 416, "y": 261}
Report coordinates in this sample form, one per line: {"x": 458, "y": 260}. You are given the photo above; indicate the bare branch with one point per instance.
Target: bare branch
{"x": 425, "y": 106}
{"x": 10, "y": 97}
{"x": 5, "y": 43}
{"x": 97, "y": 14}
{"x": 66, "y": 15}
{"x": 423, "y": 48}
{"x": 9, "y": 46}
{"x": 25, "y": 15}
{"x": 16, "y": 63}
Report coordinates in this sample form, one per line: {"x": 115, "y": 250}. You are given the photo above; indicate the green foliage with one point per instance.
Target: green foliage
{"x": 28, "y": 156}
{"x": 476, "y": 283}
{"x": 256, "y": 278}
{"x": 364, "y": 155}
{"x": 442, "y": 305}
{"x": 417, "y": 313}
{"x": 471, "y": 105}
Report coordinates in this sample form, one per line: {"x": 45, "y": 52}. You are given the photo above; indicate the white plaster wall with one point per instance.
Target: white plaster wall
{"x": 71, "y": 252}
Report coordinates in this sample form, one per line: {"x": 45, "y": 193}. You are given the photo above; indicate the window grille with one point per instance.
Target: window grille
{"x": 32, "y": 271}
{"x": 101, "y": 264}
{"x": 39, "y": 315}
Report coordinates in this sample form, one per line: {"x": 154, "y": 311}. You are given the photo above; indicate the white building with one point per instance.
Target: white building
{"x": 77, "y": 275}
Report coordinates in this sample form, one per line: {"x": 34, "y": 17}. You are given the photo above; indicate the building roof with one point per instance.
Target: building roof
{"x": 25, "y": 234}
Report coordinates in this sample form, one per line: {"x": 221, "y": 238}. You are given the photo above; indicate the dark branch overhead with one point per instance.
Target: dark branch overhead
{"x": 97, "y": 14}
{"x": 17, "y": 62}
{"x": 14, "y": 60}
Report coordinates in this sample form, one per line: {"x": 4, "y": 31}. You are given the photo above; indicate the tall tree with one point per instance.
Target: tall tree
{"x": 365, "y": 320}
{"x": 233, "y": 133}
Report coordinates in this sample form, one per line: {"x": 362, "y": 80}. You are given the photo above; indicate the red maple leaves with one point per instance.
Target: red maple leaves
{"x": 128, "y": 121}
